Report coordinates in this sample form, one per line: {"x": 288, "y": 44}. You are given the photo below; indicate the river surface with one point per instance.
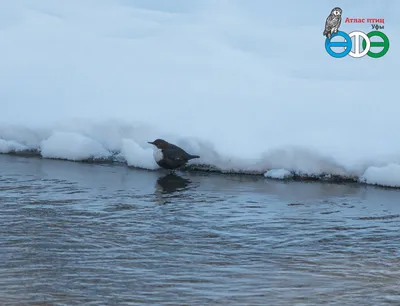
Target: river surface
{"x": 105, "y": 234}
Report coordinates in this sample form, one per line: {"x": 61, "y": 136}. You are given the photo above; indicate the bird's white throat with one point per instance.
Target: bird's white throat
{"x": 158, "y": 155}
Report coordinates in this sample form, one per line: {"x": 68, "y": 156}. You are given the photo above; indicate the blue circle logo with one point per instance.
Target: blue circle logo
{"x": 347, "y": 44}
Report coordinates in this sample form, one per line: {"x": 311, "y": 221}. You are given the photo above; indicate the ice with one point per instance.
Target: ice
{"x": 248, "y": 86}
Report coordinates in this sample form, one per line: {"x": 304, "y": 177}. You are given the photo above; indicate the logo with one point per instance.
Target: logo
{"x": 362, "y": 43}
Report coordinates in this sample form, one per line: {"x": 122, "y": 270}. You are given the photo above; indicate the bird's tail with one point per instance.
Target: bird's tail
{"x": 193, "y": 156}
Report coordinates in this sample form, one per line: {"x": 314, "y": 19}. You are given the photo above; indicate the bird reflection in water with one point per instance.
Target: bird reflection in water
{"x": 171, "y": 183}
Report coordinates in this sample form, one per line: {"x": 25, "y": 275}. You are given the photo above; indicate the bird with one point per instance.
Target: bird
{"x": 170, "y": 156}
{"x": 333, "y": 21}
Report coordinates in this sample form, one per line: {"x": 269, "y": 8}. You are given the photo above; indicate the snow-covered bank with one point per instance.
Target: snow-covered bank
{"x": 247, "y": 86}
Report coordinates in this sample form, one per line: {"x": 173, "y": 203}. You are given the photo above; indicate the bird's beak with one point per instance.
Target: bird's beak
{"x": 150, "y": 142}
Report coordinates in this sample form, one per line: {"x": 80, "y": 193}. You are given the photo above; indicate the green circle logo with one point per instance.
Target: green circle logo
{"x": 384, "y": 43}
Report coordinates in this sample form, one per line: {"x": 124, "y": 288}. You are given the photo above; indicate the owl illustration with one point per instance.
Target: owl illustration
{"x": 333, "y": 21}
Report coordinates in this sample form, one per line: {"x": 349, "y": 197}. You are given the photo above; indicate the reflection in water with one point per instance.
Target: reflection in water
{"x": 171, "y": 183}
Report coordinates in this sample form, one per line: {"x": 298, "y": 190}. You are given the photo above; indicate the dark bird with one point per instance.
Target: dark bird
{"x": 333, "y": 21}
{"x": 170, "y": 156}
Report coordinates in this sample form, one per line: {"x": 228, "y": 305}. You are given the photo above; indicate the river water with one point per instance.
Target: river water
{"x": 105, "y": 234}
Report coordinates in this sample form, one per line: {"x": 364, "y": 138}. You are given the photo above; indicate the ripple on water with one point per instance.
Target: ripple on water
{"x": 87, "y": 234}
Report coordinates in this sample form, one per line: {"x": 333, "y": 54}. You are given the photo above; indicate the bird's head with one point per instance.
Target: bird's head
{"x": 159, "y": 143}
{"x": 337, "y": 11}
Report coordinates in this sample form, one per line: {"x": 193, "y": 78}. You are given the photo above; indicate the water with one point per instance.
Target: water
{"x": 76, "y": 233}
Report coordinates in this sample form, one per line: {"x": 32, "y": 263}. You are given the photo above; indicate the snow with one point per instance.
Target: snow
{"x": 278, "y": 174}
{"x": 138, "y": 156}
{"x": 72, "y": 146}
{"x": 388, "y": 175}
{"x": 248, "y": 86}
{"x": 11, "y": 146}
